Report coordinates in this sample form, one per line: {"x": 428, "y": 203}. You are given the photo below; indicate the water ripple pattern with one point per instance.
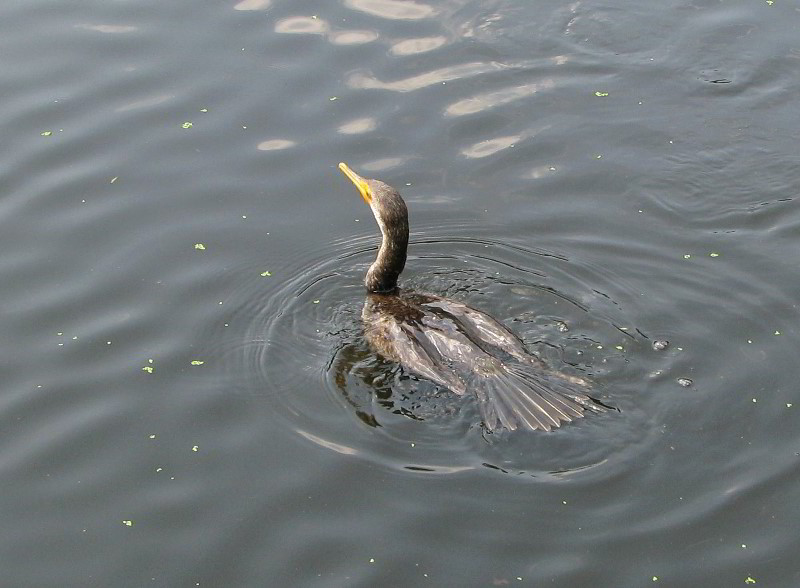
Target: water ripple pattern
{"x": 370, "y": 406}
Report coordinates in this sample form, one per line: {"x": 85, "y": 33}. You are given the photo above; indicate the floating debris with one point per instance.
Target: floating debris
{"x": 200, "y": 246}
{"x": 197, "y": 362}
{"x": 685, "y": 382}
{"x": 186, "y": 125}
{"x": 601, "y": 94}
{"x": 660, "y": 344}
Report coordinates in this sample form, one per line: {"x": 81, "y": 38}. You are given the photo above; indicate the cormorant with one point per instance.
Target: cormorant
{"x": 453, "y": 345}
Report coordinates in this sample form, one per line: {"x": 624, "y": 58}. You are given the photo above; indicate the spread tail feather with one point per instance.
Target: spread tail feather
{"x": 521, "y": 397}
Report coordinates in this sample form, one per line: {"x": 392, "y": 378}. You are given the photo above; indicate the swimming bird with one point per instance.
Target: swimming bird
{"x": 453, "y": 345}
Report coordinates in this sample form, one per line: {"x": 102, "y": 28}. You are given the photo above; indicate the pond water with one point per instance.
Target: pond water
{"x": 187, "y": 398}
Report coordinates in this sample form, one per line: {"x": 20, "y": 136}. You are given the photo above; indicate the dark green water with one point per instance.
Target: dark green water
{"x": 186, "y": 397}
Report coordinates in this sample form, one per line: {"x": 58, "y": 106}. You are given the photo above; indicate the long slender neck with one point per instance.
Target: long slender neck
{"x": 383, "y": 273}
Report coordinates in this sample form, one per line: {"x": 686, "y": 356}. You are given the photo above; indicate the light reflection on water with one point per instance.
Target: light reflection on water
{"x": 393, "y": 9}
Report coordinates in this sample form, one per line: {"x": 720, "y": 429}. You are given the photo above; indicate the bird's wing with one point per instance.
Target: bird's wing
{"x": 484, "y": 327}
{"x": 414, "y": 350}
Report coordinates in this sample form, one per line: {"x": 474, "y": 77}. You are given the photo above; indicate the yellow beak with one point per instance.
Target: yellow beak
{"x": 360, "y": 182}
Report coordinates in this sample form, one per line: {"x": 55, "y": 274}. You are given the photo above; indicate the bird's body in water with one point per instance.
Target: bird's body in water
{"x": 454, "y": 345}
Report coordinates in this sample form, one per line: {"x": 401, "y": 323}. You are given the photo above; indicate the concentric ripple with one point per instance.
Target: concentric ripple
{"x": 301, "y": 347}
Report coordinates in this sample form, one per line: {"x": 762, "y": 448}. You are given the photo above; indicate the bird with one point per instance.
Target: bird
{"x": 453, "y": 345}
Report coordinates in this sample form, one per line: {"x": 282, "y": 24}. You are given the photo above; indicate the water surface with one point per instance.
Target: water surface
{"x": 187, "y": 398}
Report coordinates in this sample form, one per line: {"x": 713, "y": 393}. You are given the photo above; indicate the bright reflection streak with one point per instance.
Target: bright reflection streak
{"x": 392, "y": 9}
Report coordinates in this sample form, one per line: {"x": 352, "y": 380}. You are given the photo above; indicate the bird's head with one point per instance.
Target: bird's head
{"x": 392, "y": 216}
{"x": 385, "y": 202}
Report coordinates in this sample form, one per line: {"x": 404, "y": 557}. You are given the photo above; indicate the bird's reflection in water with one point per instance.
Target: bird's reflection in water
{"x": 371, "y": 385}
